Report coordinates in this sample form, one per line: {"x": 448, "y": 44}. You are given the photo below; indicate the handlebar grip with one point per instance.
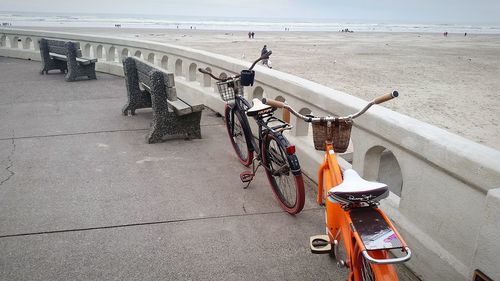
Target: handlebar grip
{"x": 273, "y": 103}
{"x": 204, "y": 71}
{"x": 386, "y": 97}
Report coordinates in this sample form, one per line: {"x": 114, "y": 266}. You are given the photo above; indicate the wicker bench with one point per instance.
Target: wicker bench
{"x": 173, "y": 116}
{"x": 67, "y": 57}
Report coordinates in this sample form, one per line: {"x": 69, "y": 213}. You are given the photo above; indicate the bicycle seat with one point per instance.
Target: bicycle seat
{"x": 355, "y": 189}
{"x": 259, "y": 108}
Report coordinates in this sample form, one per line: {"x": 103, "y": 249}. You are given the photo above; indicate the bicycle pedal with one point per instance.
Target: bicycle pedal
{"x": 320, "y": 244}
{"x": 246, "y": 176}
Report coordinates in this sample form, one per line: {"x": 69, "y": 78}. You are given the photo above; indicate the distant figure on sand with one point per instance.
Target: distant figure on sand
{"x": 465, "y": 34}
{"x": 253, "y": 34}
{"x": 265, "y": 61}
{"x": 249, "y": 35}
{"x": 445, "y": 34}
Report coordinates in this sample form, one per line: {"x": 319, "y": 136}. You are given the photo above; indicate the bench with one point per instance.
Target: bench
{"x": 172, "y": 116}
{"x": 67, "y": 57}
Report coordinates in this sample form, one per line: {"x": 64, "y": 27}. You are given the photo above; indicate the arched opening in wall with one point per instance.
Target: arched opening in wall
{"x": 138, "y": 54}
{"x": 192, "y": 72}
{"x": 125, "y": 53}
{"x": 15, "y": 42}
{"x": 222, "y": 75}
{"x": 101, "y": 54}
{"x": 381, "y": 165}
{"x": 302, "y": 128}
{"x": 86, "y": 50}
{"x": 3, "y": 41}
{"x": 92, "y": 52}
{"x": 280, "y": 112}
{"x": 112, "y": 54}
{"x": 151, "y": 58}
{"x": 28, "y": 44}
{"x": 164, "y": 62}
{"x": 207, "y": 80}
{"x": 178, "y": 67}
{"x": 258, "y": 93}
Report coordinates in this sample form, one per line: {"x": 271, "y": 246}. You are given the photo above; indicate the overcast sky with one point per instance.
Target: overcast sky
{"x": 415, "y": 11}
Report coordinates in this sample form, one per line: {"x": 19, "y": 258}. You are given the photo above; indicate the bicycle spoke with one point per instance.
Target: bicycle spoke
{"x": 235, "y": 129}
{"x": 280, "y": 170}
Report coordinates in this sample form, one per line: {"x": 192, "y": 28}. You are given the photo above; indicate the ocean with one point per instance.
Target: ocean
{"x": 16, "y": 19}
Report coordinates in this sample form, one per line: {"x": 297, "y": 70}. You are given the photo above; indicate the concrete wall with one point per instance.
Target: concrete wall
{"x": 449, "y": 203}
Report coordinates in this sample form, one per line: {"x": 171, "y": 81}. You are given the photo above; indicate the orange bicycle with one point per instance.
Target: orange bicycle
{"x": 359, "y": 234}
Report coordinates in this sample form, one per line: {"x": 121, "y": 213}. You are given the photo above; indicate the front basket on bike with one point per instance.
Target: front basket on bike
{"x": 227, "y": 89}
{"x": 339, "y": 133}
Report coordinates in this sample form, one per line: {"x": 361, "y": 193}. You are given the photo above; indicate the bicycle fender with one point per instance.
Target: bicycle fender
{"x": 292, "y": 159}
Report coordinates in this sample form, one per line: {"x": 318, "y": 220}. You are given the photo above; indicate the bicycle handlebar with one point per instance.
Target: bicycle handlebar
{"x": 204, "y": 71}
{"x": 263, "y": 57}
{"x": 314, "y": 119}
{"x": 386, "y": 97}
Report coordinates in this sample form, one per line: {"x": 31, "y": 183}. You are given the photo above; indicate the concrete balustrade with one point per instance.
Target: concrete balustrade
{"x": 446, "y": 196}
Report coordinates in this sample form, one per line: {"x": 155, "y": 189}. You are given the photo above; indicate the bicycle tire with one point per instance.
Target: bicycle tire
{"x": 237, "y": 136}
{"x": 287, "y": 187}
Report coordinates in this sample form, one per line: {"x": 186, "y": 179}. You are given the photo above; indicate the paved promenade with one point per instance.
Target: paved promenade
{"x": 84, "y": 197}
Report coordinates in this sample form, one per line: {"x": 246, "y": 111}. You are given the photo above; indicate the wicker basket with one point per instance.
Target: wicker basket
{"x": 226, "y": 89}
{"x": 339, "y": 133}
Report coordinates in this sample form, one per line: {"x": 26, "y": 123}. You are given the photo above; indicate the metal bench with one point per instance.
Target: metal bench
{"x": 67, "y": 57}
{"x": 173, "y": 116}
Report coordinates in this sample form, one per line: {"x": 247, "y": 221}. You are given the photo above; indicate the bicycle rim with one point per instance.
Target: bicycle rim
{"x": 287, "y": 187}
{"x": 236, "y": 133}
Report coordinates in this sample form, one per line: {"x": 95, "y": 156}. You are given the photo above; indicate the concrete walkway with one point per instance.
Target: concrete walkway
{"x": 84, "y": 197}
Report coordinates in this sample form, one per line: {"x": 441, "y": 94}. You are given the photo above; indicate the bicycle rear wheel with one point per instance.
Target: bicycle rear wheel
{"x": 236, "y": 131}
{"x": 287, "y": 186}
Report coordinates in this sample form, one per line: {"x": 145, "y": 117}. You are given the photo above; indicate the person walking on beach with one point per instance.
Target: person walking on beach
{"x": 265, "y": 61}
{"x": 253, "y": 34}
{"x": 249, "y": 35}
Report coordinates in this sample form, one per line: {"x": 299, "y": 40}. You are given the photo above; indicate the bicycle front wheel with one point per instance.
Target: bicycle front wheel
{"x": 236, "y": 131}
{"x": 288, "y": 186}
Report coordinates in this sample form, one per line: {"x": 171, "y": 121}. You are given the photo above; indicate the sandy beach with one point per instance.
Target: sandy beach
{"x": 451, "y": 82}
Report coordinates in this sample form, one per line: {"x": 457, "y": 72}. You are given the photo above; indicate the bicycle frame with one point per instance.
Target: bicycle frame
{"x": 241, "y": 105}
{"x": 339, "y": 222}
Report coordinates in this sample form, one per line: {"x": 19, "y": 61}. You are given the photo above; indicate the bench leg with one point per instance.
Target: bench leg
{"x": 69, "y": 76}
{"x": 136, "y": 98}
{"x": 53, "y": 64}
{"x": 171, "y": 125}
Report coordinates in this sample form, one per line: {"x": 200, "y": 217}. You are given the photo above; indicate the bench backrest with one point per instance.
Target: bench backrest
{"x": 59, "y": 47}
{"x": 144, "y": 69}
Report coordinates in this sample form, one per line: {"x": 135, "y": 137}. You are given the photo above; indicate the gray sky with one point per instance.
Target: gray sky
{"x": 417, "y": 11}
